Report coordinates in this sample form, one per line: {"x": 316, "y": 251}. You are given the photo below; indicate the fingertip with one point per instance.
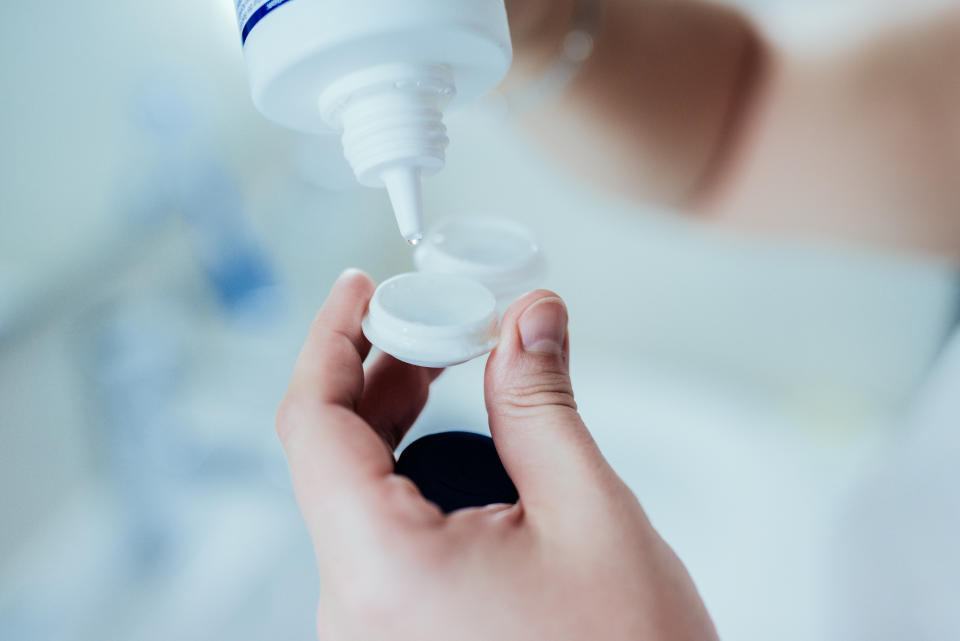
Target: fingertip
{"x": 355, "y": 281}
{"x": 330, "y": 365}
{"x": 509, "y": 333}
{"x": 519, "y": 306}
{"x": 543, "y": 327}
{"x": 346, "y": 303}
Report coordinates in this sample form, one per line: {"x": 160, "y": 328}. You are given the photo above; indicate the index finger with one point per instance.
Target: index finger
{"x": 332, "y": 452}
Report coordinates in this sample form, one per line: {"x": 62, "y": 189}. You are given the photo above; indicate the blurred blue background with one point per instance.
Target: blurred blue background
{"x": 163, "y": 249}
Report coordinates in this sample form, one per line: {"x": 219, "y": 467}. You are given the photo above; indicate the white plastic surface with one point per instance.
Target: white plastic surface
{"x": 304, "y": 46}
{"x": 393, "y": 132}
{"x": 406, "y": 196}
{"x": 432, "y": 320}
{"x": 500, "y": 253}
{"x": 382, "y": 72}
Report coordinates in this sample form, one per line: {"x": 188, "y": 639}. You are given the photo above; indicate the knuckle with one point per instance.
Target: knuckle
{"x": 290, "y": 414}
{"x": 551, "y": 390}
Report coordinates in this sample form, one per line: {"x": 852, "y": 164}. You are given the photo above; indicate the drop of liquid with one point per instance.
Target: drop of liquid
{"x": 414, "y": 241}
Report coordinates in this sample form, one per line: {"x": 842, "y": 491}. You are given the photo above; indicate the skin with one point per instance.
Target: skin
{"x": 576, "y": 558}
{"x": 654, "y": 100}
{"x": 682, "y": 104}
{"x": 687, "y": 105}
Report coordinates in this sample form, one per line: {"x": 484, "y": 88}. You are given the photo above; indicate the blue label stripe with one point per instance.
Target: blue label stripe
{"x": 257, "y": 16}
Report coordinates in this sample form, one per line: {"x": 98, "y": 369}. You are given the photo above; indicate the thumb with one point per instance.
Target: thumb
{"x": 544, "y": 444}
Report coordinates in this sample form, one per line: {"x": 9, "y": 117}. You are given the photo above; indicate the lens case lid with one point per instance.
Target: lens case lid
{"x": 431, "y": 319}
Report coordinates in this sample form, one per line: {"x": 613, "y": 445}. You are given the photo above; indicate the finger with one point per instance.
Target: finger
{"x": 394, "y": 395}
{"x": 330, "y": 366}
{"x": 333, "y": 454}
{"x": 544, "y": 445}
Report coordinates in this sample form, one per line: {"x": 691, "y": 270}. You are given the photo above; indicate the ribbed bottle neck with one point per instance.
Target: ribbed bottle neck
{"x": 391, "y": 115}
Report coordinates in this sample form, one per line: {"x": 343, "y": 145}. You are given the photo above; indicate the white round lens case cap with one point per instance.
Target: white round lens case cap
{"x": 500, "y": 253}
{"x": 431, "y": 319}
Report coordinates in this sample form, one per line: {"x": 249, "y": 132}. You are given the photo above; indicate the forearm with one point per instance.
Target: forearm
{"x": 654, "y": 110}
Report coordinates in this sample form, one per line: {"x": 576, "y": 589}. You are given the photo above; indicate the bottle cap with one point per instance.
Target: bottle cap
{"x": 431, "y": 319}
{"x": 500, "y": 253}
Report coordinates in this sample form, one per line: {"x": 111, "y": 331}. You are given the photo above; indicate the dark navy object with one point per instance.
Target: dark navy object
{"x": 257, "y": 16}
{"x": 457, "y": 470}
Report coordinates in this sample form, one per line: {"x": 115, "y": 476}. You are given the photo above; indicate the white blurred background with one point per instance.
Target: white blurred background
{"x": 163, "y": 249}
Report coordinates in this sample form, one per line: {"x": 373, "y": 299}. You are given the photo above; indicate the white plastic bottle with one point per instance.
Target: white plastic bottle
{"x": 381, "y": 72}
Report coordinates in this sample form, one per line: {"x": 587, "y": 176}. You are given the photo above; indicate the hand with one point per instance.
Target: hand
{"x": 575, "y": 558}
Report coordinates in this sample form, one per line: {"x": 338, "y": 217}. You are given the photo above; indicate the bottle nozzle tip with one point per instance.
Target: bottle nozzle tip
{"x": 403, "y": 187}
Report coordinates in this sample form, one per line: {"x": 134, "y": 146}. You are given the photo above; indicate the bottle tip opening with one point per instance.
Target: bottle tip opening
{"x": 404, "y": 188}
